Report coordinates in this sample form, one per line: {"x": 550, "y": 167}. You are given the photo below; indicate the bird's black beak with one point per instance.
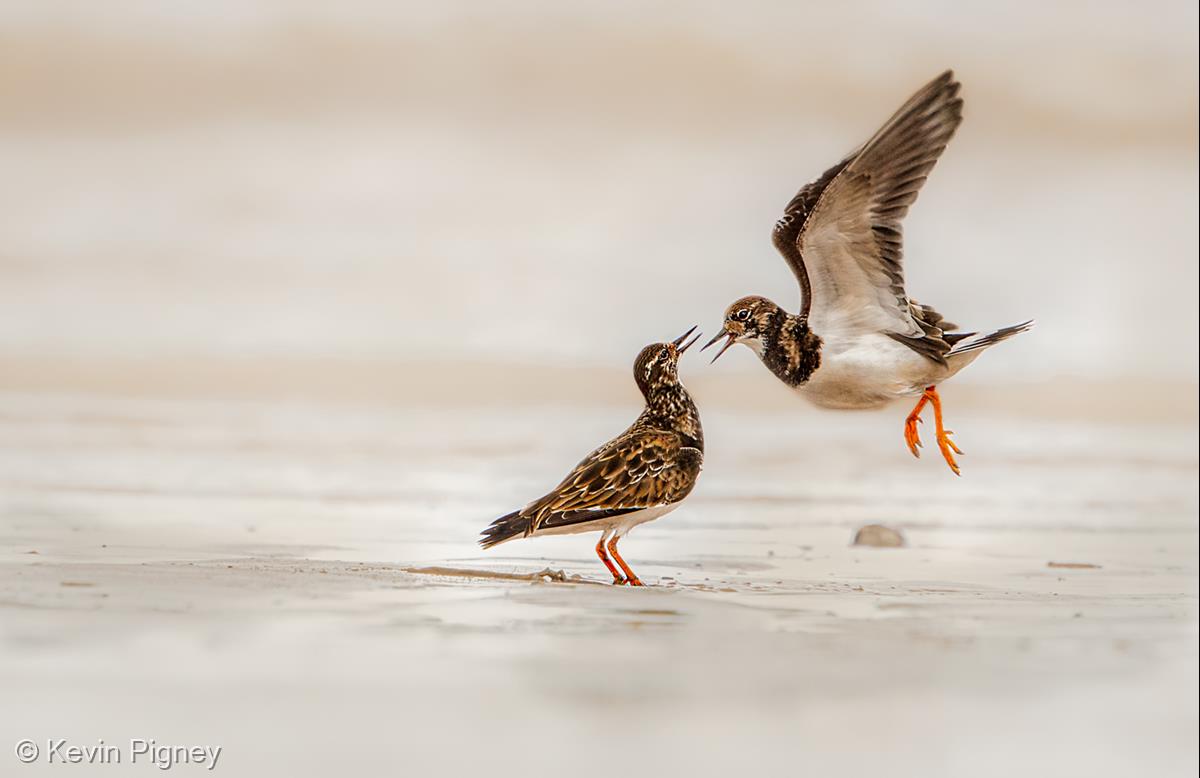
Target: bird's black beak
{"x": 682, "y": 348}
{"x": 722, "y": 334}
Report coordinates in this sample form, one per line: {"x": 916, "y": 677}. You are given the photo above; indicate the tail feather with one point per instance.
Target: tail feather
{"x": 504, "y": 528}
{"x": 992, "y": 338}
{"x": 954, "y": 338}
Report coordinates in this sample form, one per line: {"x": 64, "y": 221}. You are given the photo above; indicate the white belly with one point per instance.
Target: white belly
{"x": 867, "y": 372}
{"x": 617, "y": 525}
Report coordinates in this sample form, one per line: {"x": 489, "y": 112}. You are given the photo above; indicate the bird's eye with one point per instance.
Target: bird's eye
{"x": 742, "y": 315}
{"x": 662, "y": 353}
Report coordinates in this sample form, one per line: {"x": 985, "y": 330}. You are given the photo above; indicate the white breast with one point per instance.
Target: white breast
{"x": 867, "y": 371}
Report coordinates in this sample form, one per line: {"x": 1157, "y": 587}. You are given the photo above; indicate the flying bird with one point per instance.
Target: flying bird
{"x": 859, "y": 341}
{"x": 638, "y": 476}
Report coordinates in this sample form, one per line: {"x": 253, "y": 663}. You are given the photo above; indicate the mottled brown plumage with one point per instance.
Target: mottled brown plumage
{"x": 641, "y": 468}
{"x": 635, "y": 477}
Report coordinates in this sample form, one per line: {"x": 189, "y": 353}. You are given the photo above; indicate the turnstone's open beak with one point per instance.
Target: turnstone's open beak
{"x": 691, "y": 342}
{"x": 676, "y": 343}
{"x": 731, "y": 340}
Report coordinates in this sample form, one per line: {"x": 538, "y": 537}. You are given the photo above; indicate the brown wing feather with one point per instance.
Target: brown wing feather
{"x": 641, "y": 469}
{"x": 841, "y": 234}
{"x": 787, "y": 229}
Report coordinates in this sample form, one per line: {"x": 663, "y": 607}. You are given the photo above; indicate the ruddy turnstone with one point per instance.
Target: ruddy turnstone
{"x": 859, "y": 341}
{"x": 638, "y": 476}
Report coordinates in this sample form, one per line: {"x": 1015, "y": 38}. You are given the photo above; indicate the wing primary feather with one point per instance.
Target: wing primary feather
{"x": 842, "y": 234}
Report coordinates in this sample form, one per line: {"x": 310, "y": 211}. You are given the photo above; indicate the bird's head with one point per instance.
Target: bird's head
{"x": 658, "y": 364}
{"x": 745, "y": 322}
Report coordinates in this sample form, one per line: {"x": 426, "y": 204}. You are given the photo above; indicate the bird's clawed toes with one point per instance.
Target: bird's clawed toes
{"x": 912, "y": 437}
{"x": 949, "y": 449}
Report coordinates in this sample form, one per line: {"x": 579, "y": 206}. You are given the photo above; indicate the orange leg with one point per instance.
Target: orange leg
{"x": 631, "y": 576}
{"x": 911, "y": 436}
{"x": 618, "y": 579}
{"x": 945, "y": 444}
{"x": 943, "y": 435}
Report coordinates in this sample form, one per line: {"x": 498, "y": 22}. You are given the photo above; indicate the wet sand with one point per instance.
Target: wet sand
{"x": 296, "y": 580}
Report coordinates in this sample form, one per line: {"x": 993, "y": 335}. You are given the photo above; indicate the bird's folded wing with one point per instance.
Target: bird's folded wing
{"x": 640, "y": 469}
{"x": 849, "y": 241}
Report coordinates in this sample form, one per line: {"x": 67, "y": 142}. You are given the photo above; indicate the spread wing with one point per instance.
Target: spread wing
{"x": 841, "y": 234}
{"x": 640, "y": 469}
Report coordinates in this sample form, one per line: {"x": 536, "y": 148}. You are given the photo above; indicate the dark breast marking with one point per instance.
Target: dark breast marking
{"x": 791, "y": 350}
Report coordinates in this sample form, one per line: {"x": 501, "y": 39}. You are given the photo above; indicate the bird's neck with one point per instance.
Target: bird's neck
{"x": 790, "y": 349}
{"x": 670, "y": 407}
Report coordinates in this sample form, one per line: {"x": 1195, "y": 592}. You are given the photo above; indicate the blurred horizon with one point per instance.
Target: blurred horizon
{"x": 541, "y": 184}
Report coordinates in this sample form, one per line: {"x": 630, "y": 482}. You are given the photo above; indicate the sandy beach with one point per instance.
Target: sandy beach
{"x": 297, "y": 582}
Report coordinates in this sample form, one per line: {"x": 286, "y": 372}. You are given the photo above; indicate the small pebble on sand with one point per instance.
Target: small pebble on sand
{"x": 879, "y": 536}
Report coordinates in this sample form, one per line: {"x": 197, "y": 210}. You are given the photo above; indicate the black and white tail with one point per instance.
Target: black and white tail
{"x": 504, "y": 528}
{"x": 992, "y": 338}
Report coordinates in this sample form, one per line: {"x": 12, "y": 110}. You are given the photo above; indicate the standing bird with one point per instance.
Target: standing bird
{"x": 638, "y": 476}
{"x": 859, "y": 341}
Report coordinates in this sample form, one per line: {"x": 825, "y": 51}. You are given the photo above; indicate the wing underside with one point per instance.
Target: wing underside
{"x": 842, "y": 234}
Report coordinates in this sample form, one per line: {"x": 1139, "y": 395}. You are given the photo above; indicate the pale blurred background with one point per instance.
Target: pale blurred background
{"x": 540, "y": 182}
{"x": 296, "y": 296}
